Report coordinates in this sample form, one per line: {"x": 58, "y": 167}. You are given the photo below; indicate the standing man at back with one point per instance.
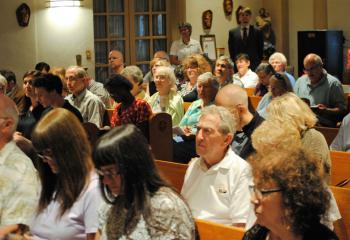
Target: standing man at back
{"x": 19, "y": 183}
{"x": 245, "y": 38}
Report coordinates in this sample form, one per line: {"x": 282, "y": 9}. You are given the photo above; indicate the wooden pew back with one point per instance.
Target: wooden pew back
{"x": 174, "y": 173}
{"x": 342, "y": 226}
{"x": 340, "y": 170}
{"x": 254, "y": 101}
{"x": 250, "y": 91}
{"x": 161, "y": 136}
{"x": 328, "y": 133}
{"x": 211, "y": 231}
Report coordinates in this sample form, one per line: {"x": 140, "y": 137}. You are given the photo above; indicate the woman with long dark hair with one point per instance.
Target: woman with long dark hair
{"x": 69, "y": 201}
{"x": 140, "y": 205}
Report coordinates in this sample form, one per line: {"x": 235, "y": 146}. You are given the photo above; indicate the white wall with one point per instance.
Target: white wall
{"x": 221, "y": 24}
{"x": 17, "y": 44}
{"x": 53, "y": 35}
{"x": 62, "y": 33}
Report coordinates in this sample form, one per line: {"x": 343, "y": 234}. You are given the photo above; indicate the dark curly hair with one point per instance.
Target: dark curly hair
{"x": 305, "y": 197}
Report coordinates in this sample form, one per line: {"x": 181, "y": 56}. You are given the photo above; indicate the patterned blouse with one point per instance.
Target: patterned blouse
{"x": 170, "y": 219}
{"x": 139, "y": 111}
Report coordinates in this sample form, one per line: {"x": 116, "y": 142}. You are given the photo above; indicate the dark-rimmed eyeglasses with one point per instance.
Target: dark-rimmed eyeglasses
{"x": 260, "y": 193}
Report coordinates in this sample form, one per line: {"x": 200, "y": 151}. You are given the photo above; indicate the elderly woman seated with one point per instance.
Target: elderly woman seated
{"x": 129, "y": 109}
{"x": 289, "y": 195}
{"x": 279, "y": 85}
{"x": 166, "y": 99}
{"x": 184, "y": 146}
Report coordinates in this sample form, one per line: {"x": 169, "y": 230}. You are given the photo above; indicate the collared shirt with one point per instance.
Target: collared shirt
{"x": 220, "y": 193}
{"x": 327, "y": 91}
{"x": 89, "y": 105}
{"x": 98, "y": 89}
{"x": 192, "y": 116}
{"x": 249, "y": 80}
{"x": 242, "y": 142}
{"x": 342, "y": 140}
{"x": 20, "y": 186}
{"x": 290, "y": 77}
{"x": 138, "y": 112}
{"x": 173, "y": 105}
{"x": 182, "y": 50}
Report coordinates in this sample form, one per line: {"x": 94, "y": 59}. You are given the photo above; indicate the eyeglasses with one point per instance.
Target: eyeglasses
{"x": 259, "y": 193}
{"x": 107, "y": 173}
{"x": 72, "y": 78}
{"x": 311, "y": 68}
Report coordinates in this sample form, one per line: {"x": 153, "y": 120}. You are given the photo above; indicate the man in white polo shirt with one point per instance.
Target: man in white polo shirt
{"x": 185, "y": 46}
{"x": 216, "y": 183}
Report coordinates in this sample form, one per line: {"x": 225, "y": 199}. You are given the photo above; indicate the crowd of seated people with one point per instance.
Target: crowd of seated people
{"x": 226, "y": 144}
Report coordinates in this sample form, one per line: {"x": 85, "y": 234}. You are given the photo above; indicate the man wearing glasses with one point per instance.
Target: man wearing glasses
{"x": 90, "y": 106}
{"x": 323, "y": 91}
{"x": 19, "y": 183}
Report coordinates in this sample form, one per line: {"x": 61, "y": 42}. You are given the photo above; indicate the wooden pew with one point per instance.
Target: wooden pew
{"x": 340, "y": 170}
{"x": 161, "y": 136}
{"x": 212, "y": 231}
{"x": 250, "y": 91}
{"x": 342, "y": 226}
{"x": 186, "y": 106}
{"x": 174, "y": 173}
{"x": 328, "y": 133}
{"x": 254, "y": 101}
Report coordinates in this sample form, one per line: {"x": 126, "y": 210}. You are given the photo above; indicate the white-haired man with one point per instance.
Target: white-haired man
{"x": 279, "y": 63}
{"x": 216, "y": 184}
{"x": 20, "y": 186}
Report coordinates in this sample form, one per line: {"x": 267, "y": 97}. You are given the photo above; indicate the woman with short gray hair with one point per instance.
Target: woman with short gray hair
{"x": 207, "y": 87}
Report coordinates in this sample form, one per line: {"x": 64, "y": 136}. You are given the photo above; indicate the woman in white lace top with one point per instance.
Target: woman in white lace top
{"x": 139, "y": 204}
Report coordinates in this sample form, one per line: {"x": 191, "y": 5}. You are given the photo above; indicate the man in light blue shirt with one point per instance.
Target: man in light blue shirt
{"x": 323, "y": 91}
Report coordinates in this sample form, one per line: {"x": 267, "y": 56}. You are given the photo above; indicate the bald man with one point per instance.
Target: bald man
{"x": 116, "y": 61}
{"x": 19, "y": 182}
{"x": 323, "y": 91}
{"x": 235, "y": 99}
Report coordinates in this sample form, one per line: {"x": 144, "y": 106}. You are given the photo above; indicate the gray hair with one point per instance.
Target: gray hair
{"x": 169, "y": 72}
{"x": 227, "y": 122}
{"x": 279, "y": 57}
{"x": 3, "y": 82}
{"x": 208, "y": 77}
{"x": 134, "y": 72}
{"x": 78, "y": 71}
{"x": 226, "y": 59}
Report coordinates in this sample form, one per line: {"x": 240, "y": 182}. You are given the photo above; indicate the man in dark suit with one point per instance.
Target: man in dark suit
{"x": 246, "y": 39}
